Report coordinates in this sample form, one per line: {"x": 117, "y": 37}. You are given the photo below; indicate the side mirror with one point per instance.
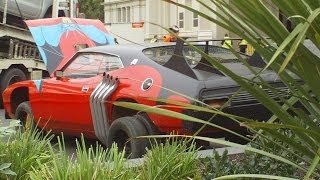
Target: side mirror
{"x": 58, "y": 74}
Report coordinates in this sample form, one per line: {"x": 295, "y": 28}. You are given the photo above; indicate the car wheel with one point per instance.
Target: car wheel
{"x": 24, "y": 114}
{"x": 123, "y": 132}
{"x": 9, "y": 77}
{"x": 150, "y": 127}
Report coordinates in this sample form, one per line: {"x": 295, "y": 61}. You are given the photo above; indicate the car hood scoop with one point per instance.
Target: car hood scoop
{"x": 58, "y": 39}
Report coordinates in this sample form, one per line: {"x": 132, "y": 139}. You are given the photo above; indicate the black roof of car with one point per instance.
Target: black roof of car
{"x": 178, "y": 62}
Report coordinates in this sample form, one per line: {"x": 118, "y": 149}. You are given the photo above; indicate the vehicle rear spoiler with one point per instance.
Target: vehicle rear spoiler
{"x": 178, "y": 63}
{"x": 255, "y": 59}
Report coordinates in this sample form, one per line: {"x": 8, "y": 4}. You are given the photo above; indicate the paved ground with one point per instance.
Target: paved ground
{"x": 3, "y": 122}
{"x": 71, "y": 146}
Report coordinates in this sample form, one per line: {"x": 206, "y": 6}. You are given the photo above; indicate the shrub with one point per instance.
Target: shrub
{"x": 90, "y": 163}
{"x": 171, "y": 160}
{"x": 24, "y": 152}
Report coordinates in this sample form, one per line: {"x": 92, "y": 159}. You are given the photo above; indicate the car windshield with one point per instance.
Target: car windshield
{"x": 163, "y": 53}
{"x": 90, "y": 64}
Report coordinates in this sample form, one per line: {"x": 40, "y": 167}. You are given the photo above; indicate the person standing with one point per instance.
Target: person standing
{"x": 154, "y": 39}
{"x": 172, "y": 36}
{"x": 243, "y": 46}
{"x": 227, "y": 42}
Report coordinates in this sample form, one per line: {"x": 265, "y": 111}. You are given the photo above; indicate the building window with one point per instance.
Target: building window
{"x": 124, "y": 14}
{"x": 119, "y": 14}
{"x": 128, "y": 14}
{"x": 181, "y": 20}
{"x": 195, "y": 20}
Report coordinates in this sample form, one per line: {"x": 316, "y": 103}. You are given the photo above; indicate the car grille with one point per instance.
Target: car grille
{"x": 243, "y": 104}
{"x": 244, "y": 97}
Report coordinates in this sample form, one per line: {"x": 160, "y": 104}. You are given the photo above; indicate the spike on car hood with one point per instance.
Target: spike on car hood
{"x": 58, "y": 39}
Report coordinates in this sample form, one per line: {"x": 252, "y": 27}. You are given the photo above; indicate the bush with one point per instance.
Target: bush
{"x": 171, "y": 160}
{"x": 24, "y": 152}
{"x": 6, "y": 132}
{"x": 90, "y": 163}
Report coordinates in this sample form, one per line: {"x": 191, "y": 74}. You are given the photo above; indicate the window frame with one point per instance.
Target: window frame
{"x": 124, "y": 14}
{"x": 195, "y": 19}
{"x": 91, "y": 53}
{"x": 181, "y": 20}
{"x": 128, "y": 10}
{"x": 119, "y": 17}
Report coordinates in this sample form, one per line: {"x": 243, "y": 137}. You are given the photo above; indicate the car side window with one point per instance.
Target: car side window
{"x": 90, "y": 64}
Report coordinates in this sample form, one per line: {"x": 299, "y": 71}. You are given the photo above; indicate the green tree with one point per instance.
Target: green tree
{"x": 292, "y": 133}
{"x": 293, "y": 129}
{"x": 93, "y": 9}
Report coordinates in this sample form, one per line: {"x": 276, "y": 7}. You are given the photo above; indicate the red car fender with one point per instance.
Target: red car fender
{"x": 169, "y": 124}
{"x": 131, "y": 81}
{"x": 7, "y": 93}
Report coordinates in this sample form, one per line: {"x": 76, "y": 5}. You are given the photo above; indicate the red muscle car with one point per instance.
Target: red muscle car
{"x": 79, "y": 98}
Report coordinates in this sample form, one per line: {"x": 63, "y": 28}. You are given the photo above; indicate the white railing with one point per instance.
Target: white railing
{"x": 4, "y": 19}
{"x": 65, "y": 5}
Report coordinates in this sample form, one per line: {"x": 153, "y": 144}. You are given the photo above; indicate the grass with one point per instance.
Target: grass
{"x": 34, "y": 157}
{"x": 171, "y": 160}
{"x": 90, "y": 163}
{"x": 25, "y": 152}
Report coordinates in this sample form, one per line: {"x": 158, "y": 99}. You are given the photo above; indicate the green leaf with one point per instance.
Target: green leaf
{"x": 313, "y": 166}
{"x": 5, "y": 166}
{"x": 231, "y": 144}
{"x": 253, "y": 176}
{"x": 8, "y": 172}
{"x": 317, "y": 37}
{"x": 279, "y": 126}
{"x": 283, "y": 45}
{"x": 303, "y": 30}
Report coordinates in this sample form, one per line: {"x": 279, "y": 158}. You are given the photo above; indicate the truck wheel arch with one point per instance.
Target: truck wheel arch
{"x": 11, "y": 76}
{"x": 18, "y": 96}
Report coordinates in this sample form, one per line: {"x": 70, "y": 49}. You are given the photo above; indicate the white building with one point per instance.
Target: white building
{"x": 140, "y": 20}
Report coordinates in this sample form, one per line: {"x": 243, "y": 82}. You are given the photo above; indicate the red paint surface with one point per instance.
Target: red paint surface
{"x": 169, "y": 124}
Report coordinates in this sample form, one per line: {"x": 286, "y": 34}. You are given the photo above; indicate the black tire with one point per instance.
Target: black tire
{"x": 6, "y": 116}
{"x": 144, "y": 119}
{"x": 9, "y": 77}
{"x": 150, "y": 127}
{"x": 24, "y": 114}
{"x": 123, "y": 131}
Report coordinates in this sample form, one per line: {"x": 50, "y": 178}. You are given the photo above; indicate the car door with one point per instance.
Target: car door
{"x": 63, "y": 104}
